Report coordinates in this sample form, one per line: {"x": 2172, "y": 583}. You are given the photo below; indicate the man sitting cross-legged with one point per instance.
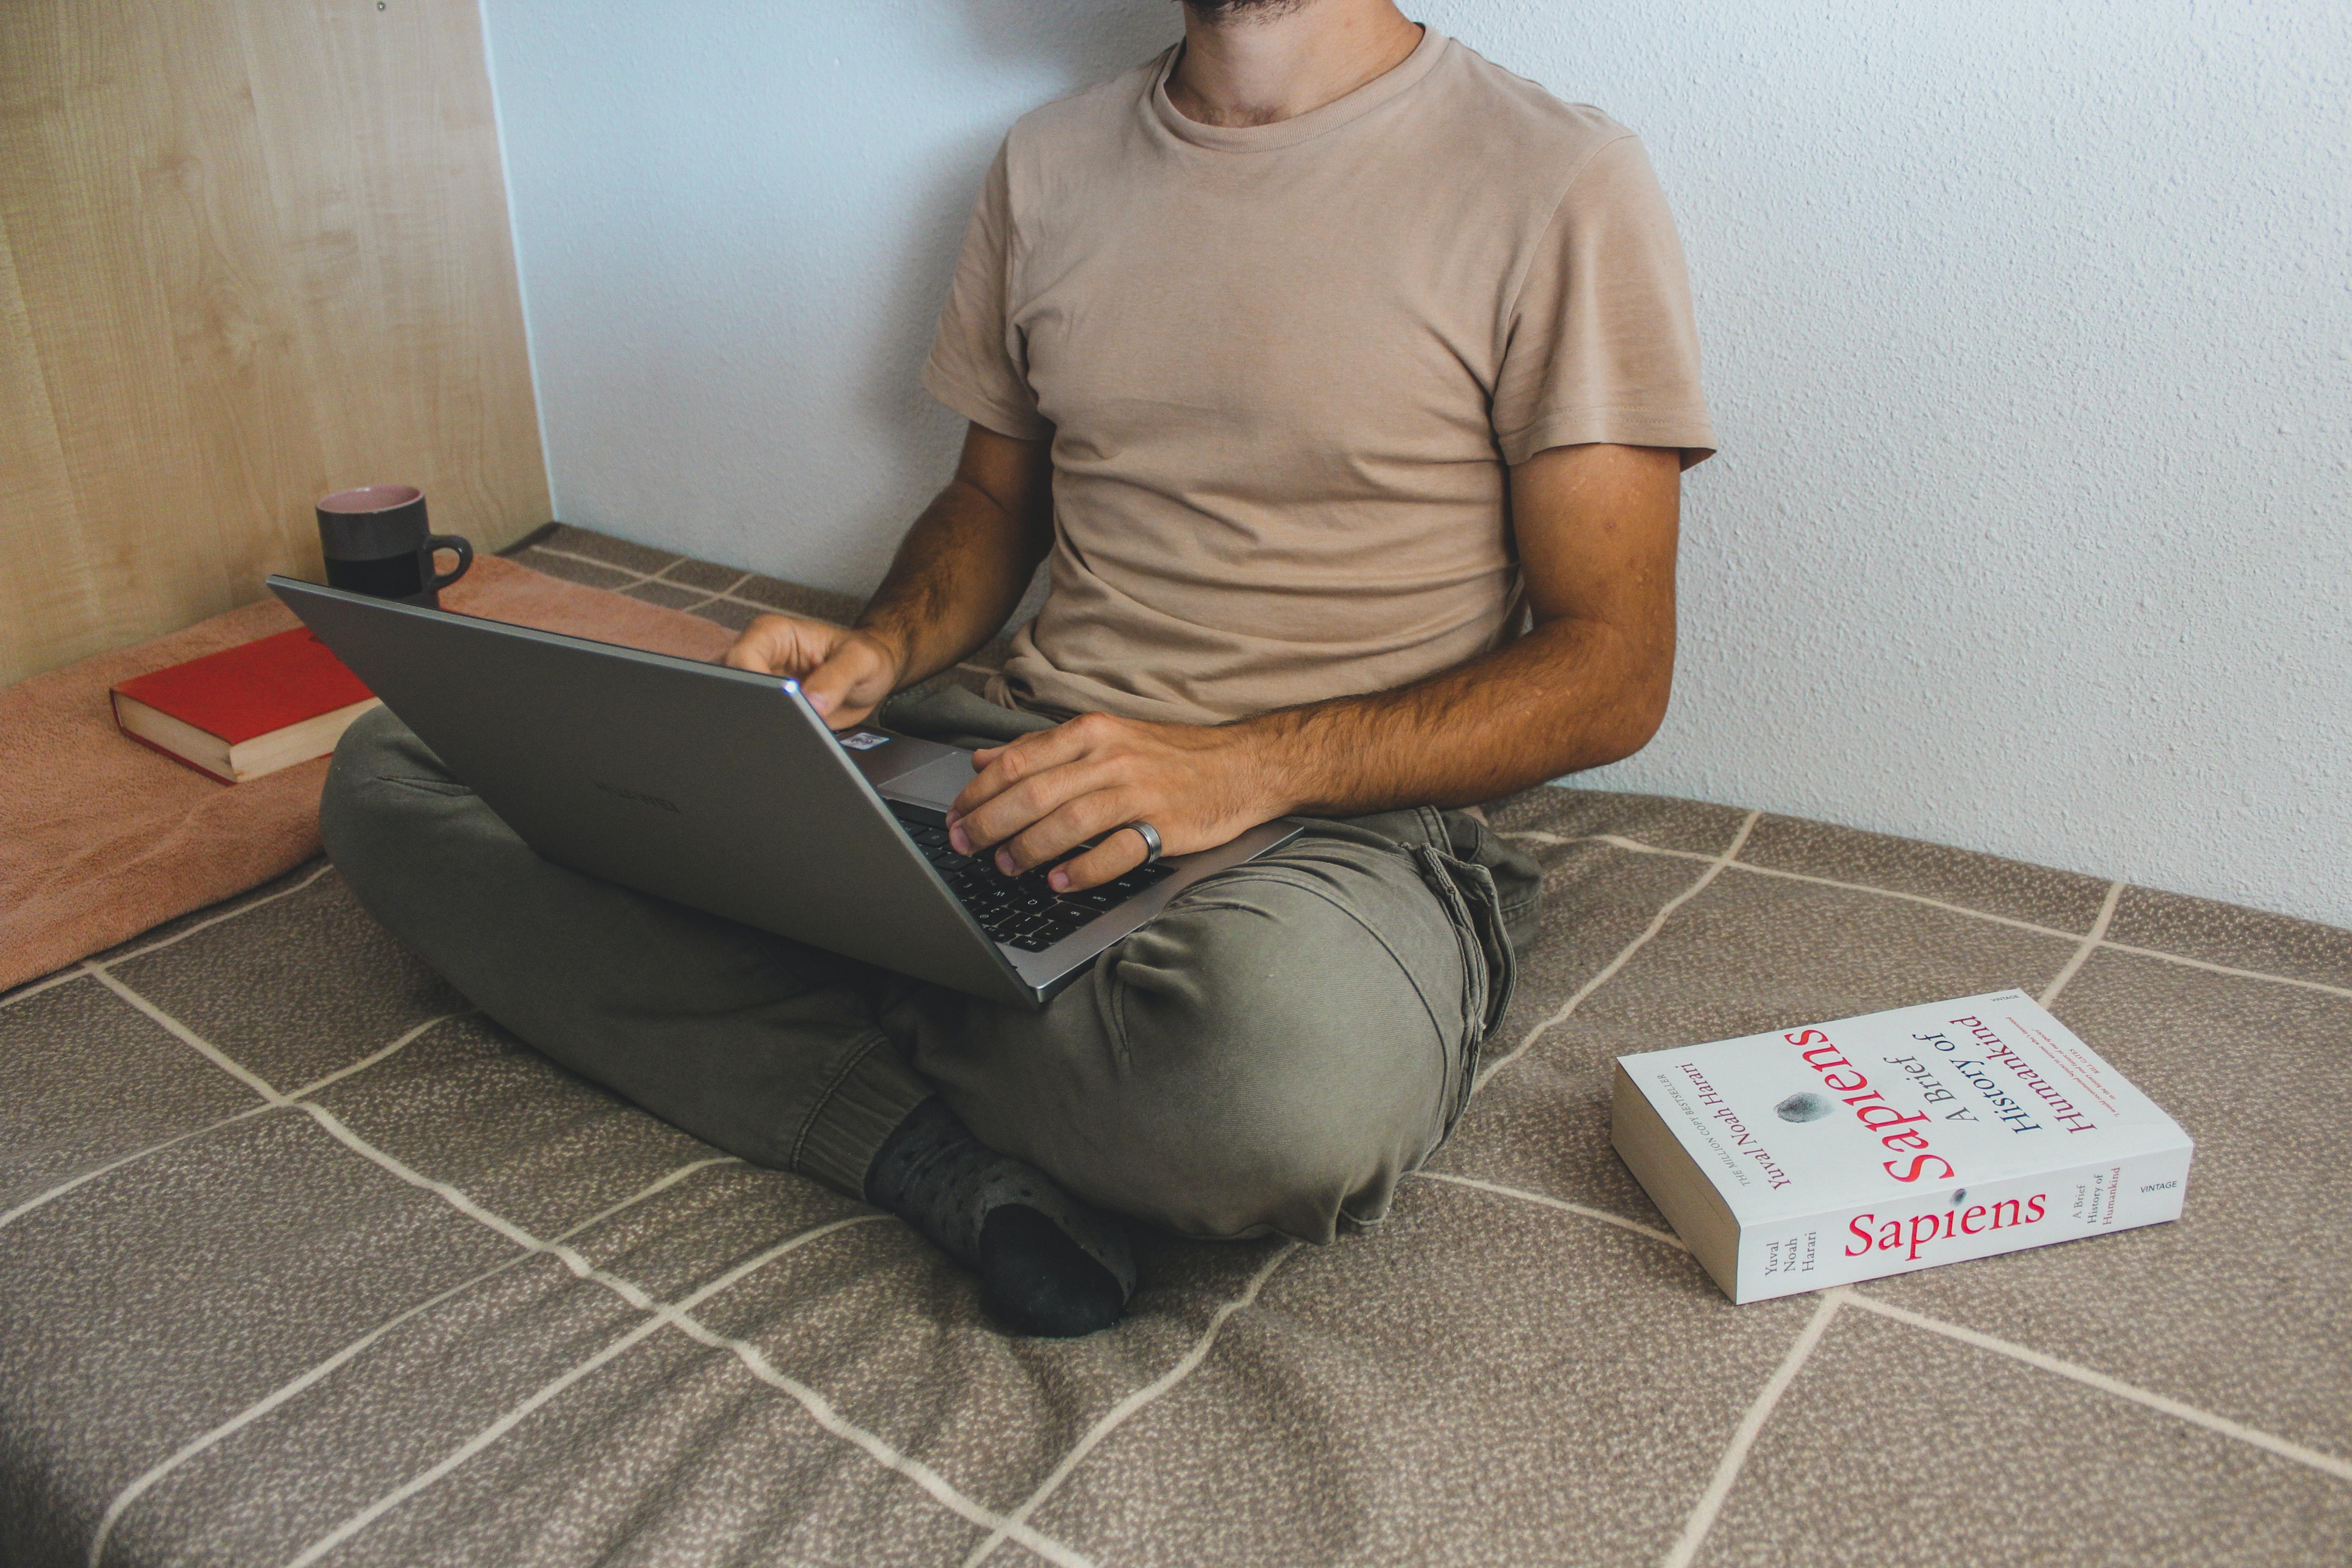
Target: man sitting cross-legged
{"x": 1344, "y": 382}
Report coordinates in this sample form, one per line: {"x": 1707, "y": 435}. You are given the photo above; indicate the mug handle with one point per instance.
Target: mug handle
{"x": 464, "y": 550}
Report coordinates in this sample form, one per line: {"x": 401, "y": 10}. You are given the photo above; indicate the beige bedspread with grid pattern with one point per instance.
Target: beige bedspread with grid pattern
{"x": 305, "y": 1262}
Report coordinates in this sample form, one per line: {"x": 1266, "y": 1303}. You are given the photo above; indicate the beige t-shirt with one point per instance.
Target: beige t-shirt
{"x": 1283, "y": 369}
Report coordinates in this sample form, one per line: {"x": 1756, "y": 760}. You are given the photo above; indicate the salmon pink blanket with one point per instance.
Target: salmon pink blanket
{"x": 101, "y": 838}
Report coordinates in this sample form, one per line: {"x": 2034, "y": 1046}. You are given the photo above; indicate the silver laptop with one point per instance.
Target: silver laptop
{"x": 724, "y": 790}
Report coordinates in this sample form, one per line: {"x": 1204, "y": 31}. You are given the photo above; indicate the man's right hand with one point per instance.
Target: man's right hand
{"x": 959, "y": 573}
{"x": 844, "y": 673}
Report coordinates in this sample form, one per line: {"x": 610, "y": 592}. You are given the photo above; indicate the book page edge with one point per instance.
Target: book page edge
{"x": 177, "y": 739}
{"x": 296, "y": 744}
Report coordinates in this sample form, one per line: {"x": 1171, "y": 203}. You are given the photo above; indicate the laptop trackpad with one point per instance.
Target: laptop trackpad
{"x": 936, "y": 783}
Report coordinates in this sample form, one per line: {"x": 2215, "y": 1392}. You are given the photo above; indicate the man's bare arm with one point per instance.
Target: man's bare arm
{"x": 1596, "y": 527}
{"x": 959, "y": 573}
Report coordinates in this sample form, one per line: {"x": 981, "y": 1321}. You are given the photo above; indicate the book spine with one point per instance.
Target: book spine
{"x": 1846, "y": 1245}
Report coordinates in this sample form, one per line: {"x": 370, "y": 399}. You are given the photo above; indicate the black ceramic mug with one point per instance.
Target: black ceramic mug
{"x": 377, "y": 542}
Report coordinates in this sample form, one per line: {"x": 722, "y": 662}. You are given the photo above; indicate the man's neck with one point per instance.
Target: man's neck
{"x": 1265, "y": 62}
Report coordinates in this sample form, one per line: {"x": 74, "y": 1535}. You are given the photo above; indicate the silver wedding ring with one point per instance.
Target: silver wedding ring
{"x": 1151, "y": 837}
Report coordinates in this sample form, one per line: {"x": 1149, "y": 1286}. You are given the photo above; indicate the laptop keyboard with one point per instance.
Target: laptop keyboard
{"x": 1019, "y": 912}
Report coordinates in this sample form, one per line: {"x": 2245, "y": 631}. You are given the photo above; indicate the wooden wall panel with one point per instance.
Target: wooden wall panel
{"x": 250, "y": 251}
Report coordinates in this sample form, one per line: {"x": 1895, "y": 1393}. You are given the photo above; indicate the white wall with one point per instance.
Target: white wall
{"x": 2029, "y": 332}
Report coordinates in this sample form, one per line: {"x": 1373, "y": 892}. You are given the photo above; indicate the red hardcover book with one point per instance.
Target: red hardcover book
{"x": 246, "y": 711}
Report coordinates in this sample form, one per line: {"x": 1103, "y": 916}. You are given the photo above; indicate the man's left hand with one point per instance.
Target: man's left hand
{"x": 1044, "y": 795}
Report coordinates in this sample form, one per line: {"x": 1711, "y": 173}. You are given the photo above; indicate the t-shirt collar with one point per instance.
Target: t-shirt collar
{"x": 1390, "y": 84}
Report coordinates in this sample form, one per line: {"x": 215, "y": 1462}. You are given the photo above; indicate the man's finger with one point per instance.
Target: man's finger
{"x": 1082, "y": 814}
{"x": 1012, "y": 765}
{"x": 783, "y": 645}
{"x": 758, "y": 648}
{"x": 1011, "y": 817}
{"x": 1114, "y": 857}
{"x": 849, "y": 684}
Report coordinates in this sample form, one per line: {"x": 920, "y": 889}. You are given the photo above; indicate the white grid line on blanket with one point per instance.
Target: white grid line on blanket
{"x": 607, "y": 566}
{"x": 2091, "y": 940}
{"x": 1715, "y": 863}
{"x": 1118, "y": 1413}
{"x": 76, "y": 971}
{"x": 1618, "y": 841}
{"x": 268, "y": 1104}
{"x": 190, "y": 1038}
{"x": 514, "y": 1415}
{"x": 1743, "y": 1438}
{"x": 475, "y": 1445}
{"x": 38, "y": 1200}
{"x": 1144, "y": 1396}
{"x": 677, "y": 1316}
{"x": 1751, "y": 1425}
{"x": 726, "y": 595}
{"x": 320, "y": 1369}
{"x": 2285, "y": 1448}
{"x": 639, "y": 579}
{"x": 631, "y": 572}
{"x": 2325, "y": 1463}
{"x": 1663, "y": 1237}
{"x": 660, "y": 1313}
{"x": 1726, "y": 1474}
{"x": 32, "y": 988}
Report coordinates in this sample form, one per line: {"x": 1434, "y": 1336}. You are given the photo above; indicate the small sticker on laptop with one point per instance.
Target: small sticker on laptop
{"x": 865, "y": 740}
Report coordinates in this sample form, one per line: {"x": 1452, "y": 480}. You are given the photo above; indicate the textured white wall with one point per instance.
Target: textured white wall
{"x": 2028, "y": 332}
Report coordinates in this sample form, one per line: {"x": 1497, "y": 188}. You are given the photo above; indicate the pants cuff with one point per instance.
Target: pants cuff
{"x": 863, "y": 1106}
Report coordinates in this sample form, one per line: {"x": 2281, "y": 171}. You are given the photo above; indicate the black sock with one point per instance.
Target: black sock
{"x": 1048, "y": 1265}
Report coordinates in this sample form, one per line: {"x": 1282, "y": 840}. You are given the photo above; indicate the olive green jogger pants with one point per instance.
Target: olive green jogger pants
{"x": 1270, "y": 1053}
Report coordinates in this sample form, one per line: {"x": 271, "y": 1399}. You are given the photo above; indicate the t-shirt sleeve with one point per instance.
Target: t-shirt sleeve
{"x": 1601, "y": 344}
{"x": 976, "y": 365}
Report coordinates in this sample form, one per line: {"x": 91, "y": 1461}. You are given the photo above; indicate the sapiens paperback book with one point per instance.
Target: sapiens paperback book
{"x": 1830, "y": 1153}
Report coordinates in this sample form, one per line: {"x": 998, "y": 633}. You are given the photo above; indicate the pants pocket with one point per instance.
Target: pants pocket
{"x": 1489, "y": 969}
{"x": 447, "y": 786}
